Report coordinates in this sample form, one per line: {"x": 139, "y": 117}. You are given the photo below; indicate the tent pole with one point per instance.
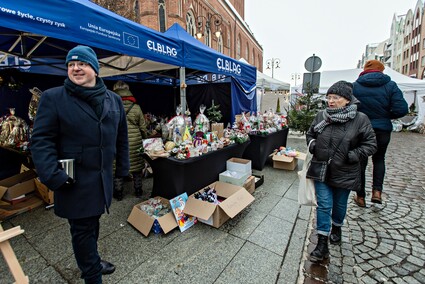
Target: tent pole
{"x": 183, "y": 88}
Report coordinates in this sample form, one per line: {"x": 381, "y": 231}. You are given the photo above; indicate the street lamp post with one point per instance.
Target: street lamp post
{"x": 295, "y": 77}
{"x": 214, "y": 19}
{"x": 272, "y": 64}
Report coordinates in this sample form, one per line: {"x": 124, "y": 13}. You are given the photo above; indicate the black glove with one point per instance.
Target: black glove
{"x": 67, "y": 184}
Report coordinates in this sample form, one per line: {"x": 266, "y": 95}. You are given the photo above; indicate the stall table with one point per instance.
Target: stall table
{"x": 172, "y": 176}
{"x": 262, "y": 146}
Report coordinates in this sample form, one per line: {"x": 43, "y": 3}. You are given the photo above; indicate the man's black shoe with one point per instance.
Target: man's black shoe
{"x": 107, "y": 267}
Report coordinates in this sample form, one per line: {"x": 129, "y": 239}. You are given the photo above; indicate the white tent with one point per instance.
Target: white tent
{"x": 266, "y": 82}
{"x": 413, "y": 89}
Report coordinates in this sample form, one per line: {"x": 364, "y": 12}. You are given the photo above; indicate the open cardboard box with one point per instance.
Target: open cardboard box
{"x": 249, "y": 184}
{"x": 236, "y": 198}
{"x": 17, "y": 185}
{"x": 287, "y": 163}
{"x": 143, "y": 222}
{"x": 236, "y": 178}
{"x": 43, "y": 191}
{"x": 239, "y": 165}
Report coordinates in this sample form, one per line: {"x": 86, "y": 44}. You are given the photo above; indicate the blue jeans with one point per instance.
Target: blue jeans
{"x": 378, "y": 159}
{"x": 331, "y": 206}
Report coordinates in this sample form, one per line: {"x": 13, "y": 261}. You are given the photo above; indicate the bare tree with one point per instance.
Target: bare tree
{"x": 125, "y": 8}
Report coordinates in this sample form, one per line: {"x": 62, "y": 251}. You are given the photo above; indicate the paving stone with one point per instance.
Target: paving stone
{"x": 411, "y": 280}
{"x": 419, "y": 276}
{"x": 400, "y": 270}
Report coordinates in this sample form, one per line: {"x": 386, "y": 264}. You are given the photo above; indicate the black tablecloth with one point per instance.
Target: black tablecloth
{"x": 172, "y": 176}
{"x": 261, "y": 147}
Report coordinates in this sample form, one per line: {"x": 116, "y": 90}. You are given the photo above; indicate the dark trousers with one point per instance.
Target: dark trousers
{"x": 378, "y": 160}
{"x": 85, "y": 233}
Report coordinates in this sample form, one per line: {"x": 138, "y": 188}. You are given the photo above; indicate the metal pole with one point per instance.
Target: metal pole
{"x": 183, "y": 89}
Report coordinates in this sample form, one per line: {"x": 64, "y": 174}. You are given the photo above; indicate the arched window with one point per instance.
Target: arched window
{"x": 190, "y": 23}
{"x": 247, "y": 52}
{"x": 253, "y": 57}
{"x": 220, "y": 44}
{"x": 161, "y": 15}
{"x": 180, "y": 7}
{"x": 238, "y": 48}
{"x": 208, "y": 37}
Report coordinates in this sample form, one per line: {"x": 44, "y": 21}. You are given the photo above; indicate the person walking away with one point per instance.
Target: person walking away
{"x": 136, "y": 132}
{"x": 83, "y": 121}
{"x": 345, "y": 136}
{"x": 381, "y": 100}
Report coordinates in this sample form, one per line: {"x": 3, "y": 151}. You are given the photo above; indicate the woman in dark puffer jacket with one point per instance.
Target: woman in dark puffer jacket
{"x": 342, "y": 133}
{"x": 381, "y": 100}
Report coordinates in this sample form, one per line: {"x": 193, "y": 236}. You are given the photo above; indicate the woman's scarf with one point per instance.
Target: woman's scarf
{"x": 336, "y": 115}
{"x": 94, "y": 96}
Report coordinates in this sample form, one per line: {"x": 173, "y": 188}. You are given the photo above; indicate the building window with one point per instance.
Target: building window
{"x": 423, "y": 61}
{"x": 161, "y": 15}
{"x": 190, "y": 23}
{"x": 220, "y": 44}
{"x": 253, "y": 57}
{"x": 247, "y": 52}
{"x": 208, "y": 37}
{"x": 180, "y": 7}
{"x": 238, "y": 48}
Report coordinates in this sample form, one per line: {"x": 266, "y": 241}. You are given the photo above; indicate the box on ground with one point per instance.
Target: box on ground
{"x": 236, "y": 178}
{"x": 143, "y": 222}
{"x": 236, "y": 198}
{"x": 249, "y": 184}
{"x": 17, "y": 185}
{"x": 8, "y": 211}
{"x": 287, "y": 163}
{"x": 43, "y": 191}
{"x": 239, "y": 165}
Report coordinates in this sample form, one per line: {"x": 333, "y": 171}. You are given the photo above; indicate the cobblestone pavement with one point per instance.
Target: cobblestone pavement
{"x": 382, "y": 243}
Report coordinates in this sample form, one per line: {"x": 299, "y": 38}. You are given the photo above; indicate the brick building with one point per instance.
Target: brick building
{"x": 201, "y": 18}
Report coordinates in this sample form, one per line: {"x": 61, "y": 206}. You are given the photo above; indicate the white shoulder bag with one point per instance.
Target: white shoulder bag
{"x": 306, "y": 190}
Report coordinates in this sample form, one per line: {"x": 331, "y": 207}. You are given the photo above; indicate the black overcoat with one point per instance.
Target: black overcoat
{"x": 66, "y": 127}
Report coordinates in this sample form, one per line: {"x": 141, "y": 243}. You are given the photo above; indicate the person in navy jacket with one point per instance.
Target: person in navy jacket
{"x": 84, "y": 121}
{"x": 381, "y": 100}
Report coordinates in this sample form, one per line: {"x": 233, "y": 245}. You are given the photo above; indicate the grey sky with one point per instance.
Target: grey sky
{"x": 335, "y": 30}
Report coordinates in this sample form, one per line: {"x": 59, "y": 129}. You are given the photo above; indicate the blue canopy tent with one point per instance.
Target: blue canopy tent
{"x": 44, "y": 31}
{"x": 198, "y": 56}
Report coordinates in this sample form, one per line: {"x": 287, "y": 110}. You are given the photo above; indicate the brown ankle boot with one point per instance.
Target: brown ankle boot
{"x": 376, "y": 196}
{"x": 359, "y": 201}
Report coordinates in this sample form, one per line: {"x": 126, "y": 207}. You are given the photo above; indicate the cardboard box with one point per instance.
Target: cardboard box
{"x": 8, "y": 211}
{"x": 249, "y": 184}
{"x": 239, "y": 165}
{"x": 143, "y": 222}
{"x": 17, "y": 185}
{"x": 236, "y": 198}
{"x": 236, "y": 178}
{"x": 43, "y": 191}
{"x": 287, "y": 163}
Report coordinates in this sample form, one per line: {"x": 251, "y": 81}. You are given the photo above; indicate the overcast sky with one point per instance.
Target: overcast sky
{"x": 335, "y": 30}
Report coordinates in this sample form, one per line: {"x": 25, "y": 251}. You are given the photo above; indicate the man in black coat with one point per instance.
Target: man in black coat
{"x": 84, "y": 122}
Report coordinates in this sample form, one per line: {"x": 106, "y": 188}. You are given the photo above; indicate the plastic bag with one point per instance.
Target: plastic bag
{"x": 306, "y": 190}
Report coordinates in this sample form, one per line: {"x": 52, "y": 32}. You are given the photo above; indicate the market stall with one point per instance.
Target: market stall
{"x": 172, "y": 176}
{"x": 200, "y": 60}
{"x": 262, "y": 146}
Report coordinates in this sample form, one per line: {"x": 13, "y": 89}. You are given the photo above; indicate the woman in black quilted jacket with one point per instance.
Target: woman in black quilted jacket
{"x": 342, "y": 136}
